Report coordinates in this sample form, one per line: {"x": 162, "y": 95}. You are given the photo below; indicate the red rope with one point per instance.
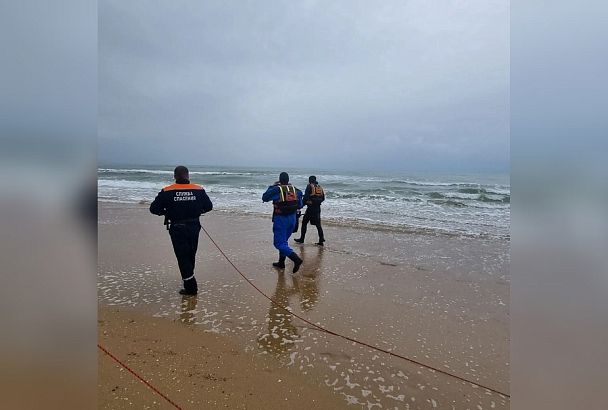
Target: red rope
{"x": 139, "y": 377}
{"x": 323, "y": 329}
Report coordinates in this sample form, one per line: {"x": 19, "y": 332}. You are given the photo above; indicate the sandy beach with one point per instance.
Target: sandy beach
{"x": 195, "y": 369}
{"x": 442, "y": 300}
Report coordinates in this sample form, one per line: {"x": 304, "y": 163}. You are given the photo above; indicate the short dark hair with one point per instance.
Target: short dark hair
{"x": 180, "y": 172}
{"x": 312, "y": 179}
{"x": 284, "y": 178}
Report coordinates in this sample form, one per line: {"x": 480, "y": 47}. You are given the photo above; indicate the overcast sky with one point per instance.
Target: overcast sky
{"x": 391, "y": 85}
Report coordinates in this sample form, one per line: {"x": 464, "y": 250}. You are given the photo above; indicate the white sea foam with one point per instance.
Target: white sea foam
{"x": 470, "y": 205}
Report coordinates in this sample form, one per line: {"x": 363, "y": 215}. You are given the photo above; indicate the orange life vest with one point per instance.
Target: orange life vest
{"x": 288, "y": 200}
{"x": 316, "y": 190}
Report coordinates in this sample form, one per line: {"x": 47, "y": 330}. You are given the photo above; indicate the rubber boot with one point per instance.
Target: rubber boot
{"x": 296, "y": 261}
{"x": 280, "y": 263}
{"x": 321, "y": 235}
{"x": 190, "y": 287}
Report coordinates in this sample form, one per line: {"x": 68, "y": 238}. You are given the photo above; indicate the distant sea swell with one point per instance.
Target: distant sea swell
{"x": 471, "y": 204}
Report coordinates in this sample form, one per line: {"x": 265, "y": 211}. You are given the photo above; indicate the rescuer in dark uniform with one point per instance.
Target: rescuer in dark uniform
{"x": 313, "y": 196}
{"x": 286, "y": 199}
{"x": 182, "y": 204}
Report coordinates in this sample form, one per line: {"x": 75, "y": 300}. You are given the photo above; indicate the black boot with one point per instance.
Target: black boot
{"x": 280, "y": 263}
{"x": 296, "y": 261}
{"x": 321, "y": 235}
{"x": 299, "y": 240}
{"x": 190, "y": 287}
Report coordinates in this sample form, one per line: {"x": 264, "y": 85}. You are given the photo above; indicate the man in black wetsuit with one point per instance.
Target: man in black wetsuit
{"x": 313, "y": 196}
{"x": 182, "y": 204}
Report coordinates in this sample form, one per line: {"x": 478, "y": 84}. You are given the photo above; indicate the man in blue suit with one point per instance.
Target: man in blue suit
{"x": 286, "y": 200}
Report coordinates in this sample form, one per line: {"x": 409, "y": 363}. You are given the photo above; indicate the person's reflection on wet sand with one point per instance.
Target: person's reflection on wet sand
{"x": 308, "y": 290}
{"x": 281, "y": 332}
{"x": 314, "y": 261}
{"x": 308, "y": 285}
{"x": 188, "y": 309}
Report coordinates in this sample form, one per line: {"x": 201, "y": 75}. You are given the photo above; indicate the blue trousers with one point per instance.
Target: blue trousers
{"x": 282, "y": 228}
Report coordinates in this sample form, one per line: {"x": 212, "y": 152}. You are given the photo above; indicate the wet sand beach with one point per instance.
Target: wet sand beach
{"x": 442, "y": 300}
{"x": 192, "y": 368}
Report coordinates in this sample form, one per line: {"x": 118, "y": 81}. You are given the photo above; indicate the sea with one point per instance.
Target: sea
{"x": 432, "y": 203}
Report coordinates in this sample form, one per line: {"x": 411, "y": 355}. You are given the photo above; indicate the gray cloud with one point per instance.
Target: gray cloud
{"x": 403, "y": 85}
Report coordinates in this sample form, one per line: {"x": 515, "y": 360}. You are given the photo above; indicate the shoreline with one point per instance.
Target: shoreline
{"x": 347, "y": 223}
